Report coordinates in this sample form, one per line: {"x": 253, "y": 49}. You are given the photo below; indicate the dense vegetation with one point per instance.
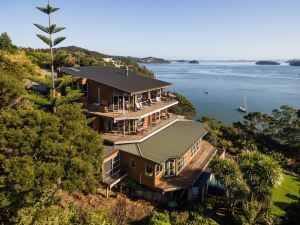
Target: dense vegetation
{"x": 49, "y": 157}
{"x": 41, "y": 153}
{"x": 184, "y": 107}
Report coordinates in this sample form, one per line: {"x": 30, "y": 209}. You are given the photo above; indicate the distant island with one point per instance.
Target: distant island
{"x": 181, "y": 61}
{"x": 150, "y": 60}
{"x": 267, "y": 63}
{"x": 194, "y": 61}
{"x": 295, "y": 62}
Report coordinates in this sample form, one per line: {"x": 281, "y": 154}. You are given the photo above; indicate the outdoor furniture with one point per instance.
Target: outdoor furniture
{"x": 138, "y": 106}
{"x": 103, "y": 109}
{"x": 153, "y": 101}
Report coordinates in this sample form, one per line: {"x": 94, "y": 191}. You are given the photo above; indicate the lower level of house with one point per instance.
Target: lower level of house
{"x": 173, "y": 162}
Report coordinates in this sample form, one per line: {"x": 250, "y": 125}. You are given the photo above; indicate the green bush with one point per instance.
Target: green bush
{"x": 159, "y": 218}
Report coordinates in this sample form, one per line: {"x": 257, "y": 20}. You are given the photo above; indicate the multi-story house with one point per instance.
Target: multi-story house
{"x": 143, "y": 140}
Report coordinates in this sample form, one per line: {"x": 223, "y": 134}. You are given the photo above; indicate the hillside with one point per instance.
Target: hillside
{"x": 77, "y": 56}
{"x": 150, "y": 60}
{"x": 265, "y": 62}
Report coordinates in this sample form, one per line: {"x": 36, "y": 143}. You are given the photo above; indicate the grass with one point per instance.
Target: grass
{"x": 286, "y": 193}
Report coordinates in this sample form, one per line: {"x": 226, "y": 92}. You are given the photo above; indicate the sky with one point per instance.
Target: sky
{"x": 171, "y": 29}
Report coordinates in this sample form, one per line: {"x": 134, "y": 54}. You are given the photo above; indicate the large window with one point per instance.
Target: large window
{"x": 170, "y": 167}
{"x": 112, "y": 166}
{"x": 149, "y": 170}
{"x": 158, "y": 169}
{"x": 195, "y": 148}
{"x": 181, "y": 163}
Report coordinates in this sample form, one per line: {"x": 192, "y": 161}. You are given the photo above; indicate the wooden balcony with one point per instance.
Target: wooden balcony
{"x": 117, "y": 138}
{"x": 191, "y": 172}
{"x": 122, "y": 115}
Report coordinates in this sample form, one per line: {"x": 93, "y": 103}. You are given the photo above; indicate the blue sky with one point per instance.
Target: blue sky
{"x": 173, "y": 29}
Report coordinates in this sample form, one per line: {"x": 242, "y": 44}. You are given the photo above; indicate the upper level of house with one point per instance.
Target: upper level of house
{"x": 129, "y": 107}
{"x": 119, "y": 93}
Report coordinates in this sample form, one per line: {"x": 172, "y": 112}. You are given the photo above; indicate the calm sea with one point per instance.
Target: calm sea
{"x": 227, "y": 84}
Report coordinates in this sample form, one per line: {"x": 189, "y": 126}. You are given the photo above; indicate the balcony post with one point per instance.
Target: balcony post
{"x": 123, "y": 103}
{"x": 124, "y": 128}
{"x": 134, "y": 102}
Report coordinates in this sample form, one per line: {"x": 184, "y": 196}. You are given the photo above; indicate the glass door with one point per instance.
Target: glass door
{"x": 170, "y": 167}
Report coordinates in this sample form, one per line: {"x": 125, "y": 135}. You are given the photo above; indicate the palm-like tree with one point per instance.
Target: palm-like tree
{"x": 261, "y": 173}
{"x": 227, "y": 172}
{"x": 50, "y": 30}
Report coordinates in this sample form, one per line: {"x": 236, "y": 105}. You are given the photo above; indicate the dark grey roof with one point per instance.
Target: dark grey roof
{"x": 171, "y": 142}
{"x": 116, "y": 77}
{"x": 108, "y": 150}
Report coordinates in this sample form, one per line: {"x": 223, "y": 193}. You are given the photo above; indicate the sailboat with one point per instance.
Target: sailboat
{"x": 243, "y": 108}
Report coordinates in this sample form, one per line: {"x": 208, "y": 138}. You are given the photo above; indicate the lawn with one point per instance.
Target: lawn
{"x": 286, "y": 193}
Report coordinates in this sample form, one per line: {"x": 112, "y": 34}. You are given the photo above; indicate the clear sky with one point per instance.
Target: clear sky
{"x": 173, "y": 29}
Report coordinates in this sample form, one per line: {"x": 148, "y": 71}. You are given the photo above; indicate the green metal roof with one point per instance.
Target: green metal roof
{"x": 172, "y": 142}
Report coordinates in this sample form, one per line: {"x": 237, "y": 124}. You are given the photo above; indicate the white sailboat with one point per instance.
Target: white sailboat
{"x": 243, "y": 108}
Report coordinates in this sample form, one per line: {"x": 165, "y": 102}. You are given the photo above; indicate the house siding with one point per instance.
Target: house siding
{"x": 138, "y": 173}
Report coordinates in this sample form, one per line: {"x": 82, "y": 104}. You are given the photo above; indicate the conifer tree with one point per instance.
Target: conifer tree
{"x": 51, "y": 29}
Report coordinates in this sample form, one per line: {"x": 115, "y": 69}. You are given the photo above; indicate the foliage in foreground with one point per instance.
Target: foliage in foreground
{"x": 41, "y": 152}
{"x": 180, "y": 218}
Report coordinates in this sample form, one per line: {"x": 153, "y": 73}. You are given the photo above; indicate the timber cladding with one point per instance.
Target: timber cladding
{"x": 105, "y": 92}
{"x": 137, "y": 173}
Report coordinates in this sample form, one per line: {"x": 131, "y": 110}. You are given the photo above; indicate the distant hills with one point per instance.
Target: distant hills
{"x": 294, "y": 62}
{"x": 267, "y": 62}
{"x": 150, "y": 60}
{"x": 194, "y": 61}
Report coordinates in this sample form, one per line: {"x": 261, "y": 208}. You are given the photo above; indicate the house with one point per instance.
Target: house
{"x": 143, "y": 140}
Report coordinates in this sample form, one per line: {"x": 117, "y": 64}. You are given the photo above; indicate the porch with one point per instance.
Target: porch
{"x": 126, "y": 114}
{"x": 119, "y": 138}
{"x": 191, "y": 172}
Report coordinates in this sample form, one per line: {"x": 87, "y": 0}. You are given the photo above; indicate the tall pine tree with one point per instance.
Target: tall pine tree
{"x": 50, "y": 30}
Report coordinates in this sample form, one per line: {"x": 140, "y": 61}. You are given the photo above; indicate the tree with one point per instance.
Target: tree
{"x": 50, "y": 30}
{"x": 230, "y": 176}
{"x": 159, "y": 218}
{"x": 6, "y": 43}
{"x": 64, "y": 95}
{"x": 43, "y": 152}
{"x": 261, "y": 173}
{"x": 11, "y": 89}
{"x": 63, "y": 58}
{"x": 184, "y": 107}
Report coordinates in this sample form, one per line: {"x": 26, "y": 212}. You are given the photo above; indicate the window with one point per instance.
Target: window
{"x": 195, "y": 148}
{"x": 148, "y": 170}
{"x": 170, "y": 167}
{"x": 158, "y": 169}
{"x": 112, "y": 166}
{"x": 140, "y": 122}
{"x": 132, "y": 163}
{"x": 181, "y": 163}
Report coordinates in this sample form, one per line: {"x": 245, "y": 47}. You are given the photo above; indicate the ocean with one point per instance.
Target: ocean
{"x": 228, "y": 83}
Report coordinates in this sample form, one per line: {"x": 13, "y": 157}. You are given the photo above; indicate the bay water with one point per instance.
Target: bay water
{"x": 217, "y": 89}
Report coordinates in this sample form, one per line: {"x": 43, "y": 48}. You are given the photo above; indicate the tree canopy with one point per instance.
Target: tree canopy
{"x": 41, "y": 151}
{"x": 6, "y": 43}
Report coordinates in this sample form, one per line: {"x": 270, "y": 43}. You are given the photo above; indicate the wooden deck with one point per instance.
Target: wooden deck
{"x": 120, "y": 115}
{"x": 191, "y": 172}
{"x": 116, "y": 138}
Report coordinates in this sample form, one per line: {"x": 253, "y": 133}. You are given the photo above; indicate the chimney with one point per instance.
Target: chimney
{"x": 126, "y": 71}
